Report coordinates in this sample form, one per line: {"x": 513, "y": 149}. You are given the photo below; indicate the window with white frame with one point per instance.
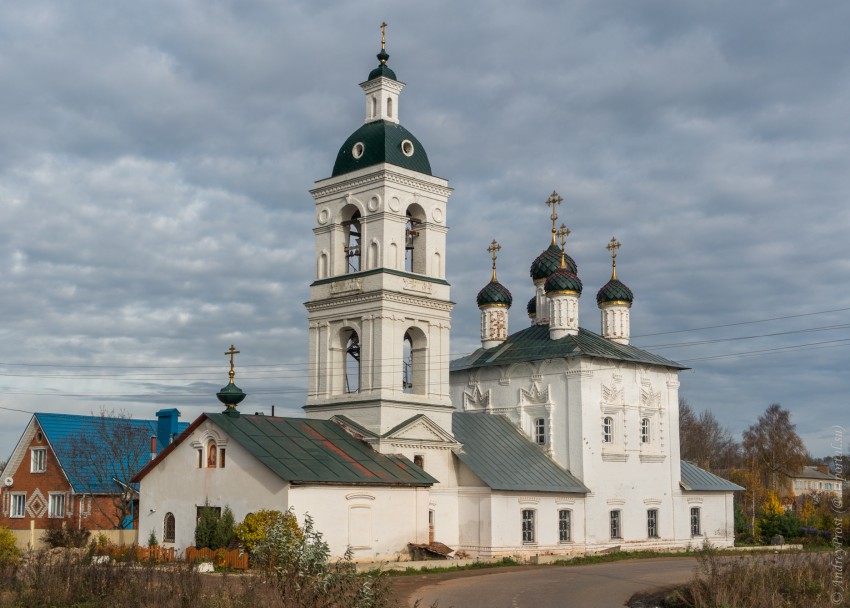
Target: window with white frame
{"x": 695, "y": 523}
{"x": 616, "y": 530}
{"x": 652, "y": 523}
{"x": 564, "y": 525}
{"x": 608, "y": 429}
{"x": 19, "y": 504}
{"x": 38, "y": 460}
{"x": 56, "y": 505}
{"x": 528, "y": 526}
{"x": 644, "y": 430}
{"x": 540, "y": 431}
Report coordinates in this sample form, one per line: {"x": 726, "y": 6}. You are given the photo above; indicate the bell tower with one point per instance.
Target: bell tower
{"x": 379, "y": 312}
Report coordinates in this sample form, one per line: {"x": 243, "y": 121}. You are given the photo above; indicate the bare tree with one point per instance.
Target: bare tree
{"x": 704, "y": 441}
{"x": 109, "y": 450}
{"x": 774, "y": 448}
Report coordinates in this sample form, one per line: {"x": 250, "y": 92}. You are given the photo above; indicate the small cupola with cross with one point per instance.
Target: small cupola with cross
{"x": 615, "y": 300}
{"x": 382, "y": 89}
{"x": 231, "y": 395}
{"x": 563, "y": 289}
{"x": 494, "y": 300}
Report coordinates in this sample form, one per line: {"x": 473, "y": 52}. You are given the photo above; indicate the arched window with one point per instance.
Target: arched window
{"x": 352, "y": 363}
{"x": 607, "y": 430}
{"x": 414, "y": 250}
{"x": 352, "y": 242}
{"x": 644, "y": 430}
{"x": 212, "y": 453}
{"x": 389, "y": 107}
{"x": 168, "y": 528}
{"x": 374, "y": 107}
{"x": 414, "y": 372}
{"x": 407, "y": 365}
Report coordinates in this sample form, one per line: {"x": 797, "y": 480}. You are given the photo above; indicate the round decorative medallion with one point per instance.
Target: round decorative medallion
{"x": 395, "y": 204}
{"x": 373, "y": 204}
{"x": 323, "y": 216}
{"x": 407, "y": 147}
{"x": 437, "y": 214}
{"x": 357, "y": 150}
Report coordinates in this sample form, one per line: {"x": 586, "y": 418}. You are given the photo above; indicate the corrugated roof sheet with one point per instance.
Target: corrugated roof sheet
{"x": 505, "y": 459}
{"x": 64, "y": 430}
{"x": 699, "y": 480}
{"x": 809, "y": 472}
{"x": 306, "y": 450}
{"x": 533, "y": 344}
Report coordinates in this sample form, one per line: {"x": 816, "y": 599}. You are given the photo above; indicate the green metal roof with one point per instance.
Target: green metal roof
{"x": 505, "y": 459}
{"x": 533, "y": 344}
{"x": 494, "y": 293}
{"x": 304, "y": 450}
{"x": 562, "y": 280}
{"x": 381, "y": 141}
{"x": 614, "y": 291}
{"x": 699, "y": 480}
{"x": 549, "y": 261}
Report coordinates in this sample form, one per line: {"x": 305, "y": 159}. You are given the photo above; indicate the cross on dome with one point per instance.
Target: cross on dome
{"x": 553, "y": 201}
{"x": 613, "y": 246}
{"x": 494, "y": 249}
{"x": 563, "y": 233}
{"x": 232, "y": 352}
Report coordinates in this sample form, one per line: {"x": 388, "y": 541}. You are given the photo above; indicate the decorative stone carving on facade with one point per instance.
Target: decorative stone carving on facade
{"x": 612, "y": 394}
{"x": 346, "y": 286}
{"x": 36, "y": 504}
{"x": 534, "y": 396}
{"x": 476, "y": 399}
{"x": 649, "y": 397}
{"x": 416, "y": 285}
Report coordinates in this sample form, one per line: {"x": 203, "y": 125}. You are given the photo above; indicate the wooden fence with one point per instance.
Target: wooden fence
{"x": 222, "y": 558}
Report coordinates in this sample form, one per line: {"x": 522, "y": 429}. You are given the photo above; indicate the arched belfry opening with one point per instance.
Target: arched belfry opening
{"x": 353, "y": 234}
{"x": 407, "y": 365}
{"x": 415, "y": 362}
{"x": 414, "y": 250}
{"x": 351, "y": 361}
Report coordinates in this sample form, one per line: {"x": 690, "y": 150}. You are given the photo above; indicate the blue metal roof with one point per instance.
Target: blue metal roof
{"x": 64, "y": 430}
{"x": 699, "y": 480}
{"x": 505, "y": 459}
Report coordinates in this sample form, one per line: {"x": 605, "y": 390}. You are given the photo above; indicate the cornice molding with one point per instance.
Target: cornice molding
{"x": 383, "y": 175}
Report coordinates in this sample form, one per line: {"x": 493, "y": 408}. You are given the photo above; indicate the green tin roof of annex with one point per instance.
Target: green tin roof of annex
{"x": 505, "y": 459}
{"x": 305, "y": 450}
{"x": 698, "y": 480}
{"x": 534, "y": 344}
{"x": 381, "y": 141}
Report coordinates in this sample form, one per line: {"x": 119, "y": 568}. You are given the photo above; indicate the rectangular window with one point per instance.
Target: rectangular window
{"x": 38, "y": 460}
{"x": 652, "y": 523}
{"x": 616, "y": 532}
{"x": 200, "y": 458}
{"x": 19, "y": 504}
{"x": 564, "y": 526}
{"x": 644, "y": 430}
{"x": 540, "y": 431}
{"x": 695, "y": 524}
{"x": 56, "y": 507}
{"x": 607, "y": 430}
{"x": 221, "y": 458}
{"x": 528, "y": 526}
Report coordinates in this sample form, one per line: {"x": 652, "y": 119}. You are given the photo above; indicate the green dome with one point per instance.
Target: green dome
{"x": 494, "y": 293}
{"x": 614, "y": 291}
{"x": 383, "y": 69}
{"x": 231, "y": 396}
{"x": 380, "y": 141}
{"x": 532, "y": 307}
{"x": 562, "y": 280}
{"x": 548, "y": 262}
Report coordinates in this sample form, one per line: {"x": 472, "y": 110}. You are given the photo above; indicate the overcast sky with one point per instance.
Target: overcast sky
{"x": 156, "y": 157}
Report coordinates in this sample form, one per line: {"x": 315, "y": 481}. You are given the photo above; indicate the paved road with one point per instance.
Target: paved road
{"x": 593, "y": 586}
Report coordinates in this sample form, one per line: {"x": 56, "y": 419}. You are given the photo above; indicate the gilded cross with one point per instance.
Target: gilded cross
{"x": 493, "y": 249}
{"x": 563, "y": 233}
{"x": 231, "y": 352}
{"x": 383, "y": 35}
{"x": 553, "y": 201}
{"x": 613, "y": 246}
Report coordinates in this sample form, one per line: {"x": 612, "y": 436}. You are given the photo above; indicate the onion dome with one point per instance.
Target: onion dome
{"x": 548, "y": 262}
{"x": 614, "y": 291}
{"x": 494, "y": 294}
{"x": 383, "y": 69}
{"x": 532, "y": 307}
{"x": 563, "y": 281}
{"x": 231, "y": 395}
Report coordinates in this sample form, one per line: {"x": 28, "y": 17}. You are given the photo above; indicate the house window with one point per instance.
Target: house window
{"x": 644, "y": 430}
{"x": 168, "y": 528}
{"x": 616, "y": 531}
{"x": 564, "y": 525}
{"x": 38, "y": 460}
{"x": 56, "y": 506}
{"x": 695, "y": 524}
{"x": 540, "y": 431}
{"x": 652, "y": 523}
{"x": 19, "y": 504}
{"x": 528, "y": 526}
{"x": 608, "y": 430}
{"x": 212, "y": 451}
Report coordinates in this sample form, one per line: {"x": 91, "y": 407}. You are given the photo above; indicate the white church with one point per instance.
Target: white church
{"x": 550, "y": 440}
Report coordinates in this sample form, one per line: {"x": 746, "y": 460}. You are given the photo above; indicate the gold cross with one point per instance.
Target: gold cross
{"x": 613, "y": 246}
{"x": 563, "y": 233}
{"x": 231, "y": 352}
{"x": 553, "y": 201}
{"x": 383, "y": 35}
{"x": 493, "y": 249}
